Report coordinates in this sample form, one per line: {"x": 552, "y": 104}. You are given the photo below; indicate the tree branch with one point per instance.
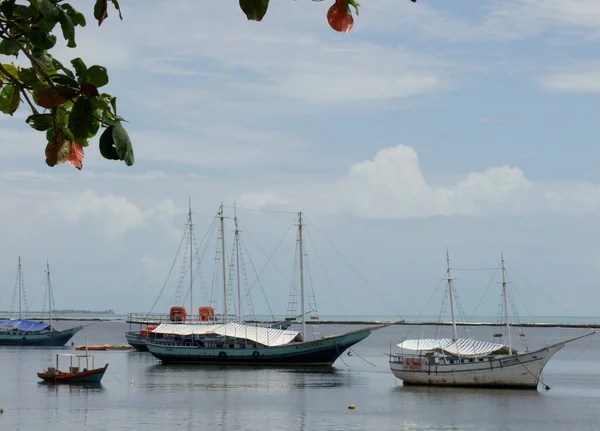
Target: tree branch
{"x": 26, "y": 97}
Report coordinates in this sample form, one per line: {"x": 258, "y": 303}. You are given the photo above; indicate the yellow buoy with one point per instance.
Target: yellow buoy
{"x": 351, "y": 406}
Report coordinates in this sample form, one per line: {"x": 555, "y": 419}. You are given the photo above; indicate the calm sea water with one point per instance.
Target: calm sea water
{"x": 216, "y": 398}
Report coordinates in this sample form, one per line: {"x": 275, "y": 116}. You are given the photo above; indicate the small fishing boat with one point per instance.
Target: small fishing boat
{"x": 75, "y": 374}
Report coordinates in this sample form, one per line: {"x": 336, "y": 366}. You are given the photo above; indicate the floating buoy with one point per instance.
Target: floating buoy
{"x": 349, "y": 353}
{"x": 351, "y": 406}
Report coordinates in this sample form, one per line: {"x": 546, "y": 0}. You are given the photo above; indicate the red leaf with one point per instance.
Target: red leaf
{"x": 58, "y": 152}
{"x": 89, "y": 90}
{"x": 76, "y": 157}
{"x": 104, "y": 13}
{"x": 338, "y": 17}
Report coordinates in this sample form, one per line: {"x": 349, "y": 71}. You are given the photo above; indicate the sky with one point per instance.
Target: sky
{"x": 467, "y": 125}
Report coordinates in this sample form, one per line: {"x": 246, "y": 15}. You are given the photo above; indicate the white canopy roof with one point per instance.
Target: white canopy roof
{"x": 258, "y": 334}
{"x": 460, "y": 347}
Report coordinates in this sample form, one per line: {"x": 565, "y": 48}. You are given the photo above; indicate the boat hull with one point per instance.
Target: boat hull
{"x": 514, "y": 371}
{"x": 49, "y": 339}
{"x": 90, "y": 376}
{"x": 322, "y": 352}
{"x": 137, "y": 342}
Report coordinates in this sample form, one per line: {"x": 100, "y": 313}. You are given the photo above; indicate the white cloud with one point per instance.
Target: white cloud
{"x": 499, "y": 21}
{"x": 320, "y": 67}
{"x": 576, "y": 78}
{"x": 392, "y": 186}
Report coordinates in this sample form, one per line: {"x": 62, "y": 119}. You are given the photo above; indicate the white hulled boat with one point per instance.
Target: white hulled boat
{"x": 467, "y": 362}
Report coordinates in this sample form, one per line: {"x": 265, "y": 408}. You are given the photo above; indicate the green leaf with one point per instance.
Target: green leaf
{"x": 8, "y": 47}
{"x": 42, "y": 40}
{"x": 59, "y": 66}
{"x": 255, "y": 10}
{"x": 7, "y": 8}
{"x": 113, "y": 102}
{"x": 77, "y": 17}
{"x": 107, "y": 145}
{"x": 40, "y": 122}
{"x": 68, "y": 29}
{"x": 80, "y": 68}
{"x": 96, "y": 75}
{"x": 107, "y": 120}
{"x": 118, "y": 8}
{"x": 30, "y": 78}
{"x": 11, "y": 69}
{"x": 49, "y": 10}
{"x": 99, "y": 104}
{"x": 64, "y": 80}
{"x": 81, "y": 121}
{"x": 61, "y": 116}
{"x": 9, "y": 99}
{"x": 44, "y": 59}
{"x": 123, "y": 144}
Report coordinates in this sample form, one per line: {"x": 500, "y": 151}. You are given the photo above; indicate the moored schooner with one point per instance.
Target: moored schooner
{"x": 460, "y": 361}
{"x": 229, "y": 342}
{"x": 24, "y": 332}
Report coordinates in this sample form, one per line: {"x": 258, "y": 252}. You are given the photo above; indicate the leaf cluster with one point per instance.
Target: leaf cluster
{"x": 65, "y": 102}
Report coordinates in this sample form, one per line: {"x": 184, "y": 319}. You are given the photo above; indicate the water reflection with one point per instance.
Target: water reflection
{"x": 79, "y": 389}
{"x": 223, "y": 377}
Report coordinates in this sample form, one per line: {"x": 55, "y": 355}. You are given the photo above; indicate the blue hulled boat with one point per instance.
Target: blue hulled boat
{"x": 230, "y": 343}
{"x": 24, "y": 332}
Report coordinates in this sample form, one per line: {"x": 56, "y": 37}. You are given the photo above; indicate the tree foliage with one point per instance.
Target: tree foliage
{"x": 65, "y": 100}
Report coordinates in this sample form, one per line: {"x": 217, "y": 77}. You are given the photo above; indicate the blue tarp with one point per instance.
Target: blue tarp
{"x": 23, "y": 325}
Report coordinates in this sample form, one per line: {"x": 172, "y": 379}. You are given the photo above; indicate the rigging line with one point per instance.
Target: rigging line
{"x": 484, "y": 293}
{"x": 170, "y": 271}
{"x": 202, "y": 215}
{"x": 309, "y": 237}
{"x": 518, "y": 295}
{"x": 474, "y": 269}
{"x": 426, "y": 304}
{"x": 202, "y": 252}
{"x": 269, "y": 258}
{"x": 353, "y": 269}
{"x": 540, "y": 290}
{"x": 583, "y": 350}
{"x": 354, "y": 352}
{"x": 257, "y": 279}
{"x": 263, "y": 211}
{"x": 37, "y": 292}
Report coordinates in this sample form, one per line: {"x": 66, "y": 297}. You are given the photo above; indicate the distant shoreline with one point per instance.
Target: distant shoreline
{"x": 357, "y": 322}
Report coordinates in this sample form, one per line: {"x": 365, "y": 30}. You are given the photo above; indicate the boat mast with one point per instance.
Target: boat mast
{"x": 49, "y": 291}
{"x": 505, "y": 295}
{"x": 191, "y": 260}
{"x": 301, "y": 251}
{"x": 224, "y": 264}
{"x": 237, "y": 257}
{"x": 20, "y": 284}
{"x": 451, "y": 295}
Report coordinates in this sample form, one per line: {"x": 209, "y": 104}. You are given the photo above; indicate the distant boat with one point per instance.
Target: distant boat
{"x": 23, "y": 332}
{"x": 75, "y": 374}
{"x": 241, "y": 343}
{"x": 467, "y": 362}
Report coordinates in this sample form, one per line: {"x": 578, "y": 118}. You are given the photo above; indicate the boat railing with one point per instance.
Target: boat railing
{"x": 158, "y": 318}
